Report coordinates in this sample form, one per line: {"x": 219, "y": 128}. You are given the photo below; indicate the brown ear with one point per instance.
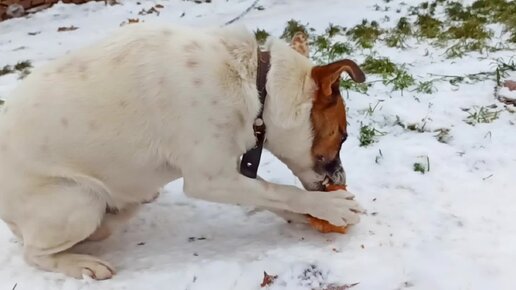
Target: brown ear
{"x": 326, "y": 75}
{"x": 300, "y": 43}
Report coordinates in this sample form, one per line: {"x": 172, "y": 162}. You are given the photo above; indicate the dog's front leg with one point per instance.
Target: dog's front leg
{"x": 288, "y": 216}
{"x": 229, "y": 186}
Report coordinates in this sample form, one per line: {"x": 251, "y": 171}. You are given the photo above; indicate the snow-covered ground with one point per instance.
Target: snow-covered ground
{"x": 451, "y": 228}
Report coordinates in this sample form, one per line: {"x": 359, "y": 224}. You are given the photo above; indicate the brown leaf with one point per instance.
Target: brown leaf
{"x": 511, "y": 85}
{"x": 65, "y": 28}
{"x": 149, "y": 11}
{"x": 268, "y": 279}
{"x": 340, "y": 287}
{"x": 131, "y": 21}
{"x": 159, "y": 6}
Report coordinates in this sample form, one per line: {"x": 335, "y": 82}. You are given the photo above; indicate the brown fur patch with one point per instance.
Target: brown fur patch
{"x": 329, "y": 124}
{"x": 328, "y": 113}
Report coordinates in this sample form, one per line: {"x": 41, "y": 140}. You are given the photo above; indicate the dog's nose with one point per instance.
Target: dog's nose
{"x": 339, "y": 177}
{"x": 335, "y": 171}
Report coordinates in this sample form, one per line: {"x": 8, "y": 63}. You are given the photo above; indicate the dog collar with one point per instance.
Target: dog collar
{"x": 251, "y": 159}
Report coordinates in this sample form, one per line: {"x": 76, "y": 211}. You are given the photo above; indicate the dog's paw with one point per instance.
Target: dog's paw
{"x": 291, "y": 217}
{"x": 77, "y": 266}
{"x": 337, "y": 207}
{"x": 151, "y": 198}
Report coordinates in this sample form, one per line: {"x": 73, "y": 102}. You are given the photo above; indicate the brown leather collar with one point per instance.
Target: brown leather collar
{"x": 251, "y": 159}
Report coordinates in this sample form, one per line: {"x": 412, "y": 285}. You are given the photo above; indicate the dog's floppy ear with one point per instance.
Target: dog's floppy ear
{"x": 300, "y": 43}
{"x": 325, "y": 75}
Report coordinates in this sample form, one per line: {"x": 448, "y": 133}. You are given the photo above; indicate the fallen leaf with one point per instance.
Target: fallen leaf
{"x": 149, "y": 11}
{"x": 69, "y": 28}
{"x": 268, "y": 279}
{"x": 340, "y": 287}
{"x": 159, "y": 6}
{"x": 511, "y": 85}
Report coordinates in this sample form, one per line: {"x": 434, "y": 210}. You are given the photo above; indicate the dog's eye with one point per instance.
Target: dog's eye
{"x": 344, "y": 137}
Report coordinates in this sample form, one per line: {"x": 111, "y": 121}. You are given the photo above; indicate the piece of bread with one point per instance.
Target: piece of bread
{"x": 322, "y": 225}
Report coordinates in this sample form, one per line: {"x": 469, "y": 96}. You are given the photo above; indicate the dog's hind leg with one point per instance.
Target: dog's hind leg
{"x": 113, "y": 219}
{"x": 58, "y": 216}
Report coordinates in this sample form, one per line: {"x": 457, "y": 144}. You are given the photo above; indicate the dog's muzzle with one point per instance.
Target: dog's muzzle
{"x": 338, "y": 176}
{"x": 331, "y": 172}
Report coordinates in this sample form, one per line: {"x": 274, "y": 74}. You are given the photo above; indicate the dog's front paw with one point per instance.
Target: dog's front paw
{"x": 337, "y": 207}
{"x": 291, "y": 217}
{"x": 152, "y": 197}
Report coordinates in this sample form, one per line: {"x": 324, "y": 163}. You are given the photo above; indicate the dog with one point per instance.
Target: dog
{"x": 87, "y": 138}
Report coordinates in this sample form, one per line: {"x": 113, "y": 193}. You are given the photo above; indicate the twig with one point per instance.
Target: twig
{"x": 243, "y": 13}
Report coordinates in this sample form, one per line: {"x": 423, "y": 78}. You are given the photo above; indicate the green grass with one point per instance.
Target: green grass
{"x": 261, "y": 35}
{"x": 425, "y": 87}
{"x": 327, "y": 48}
{"x": 482, "y": 114}
{"x": 382, "y": 66}
{"x": 419, "y": 167}
{"x": 7, "y": 69}
{"x": 401, "y": 81}
{"x": 370, "y": 110}
{"x": 365, "y": 34}
{"x": 422, "y": 168}
{"x": 398, "y": 36}
{"x": 350, "y": 85}
{"x": 443, "y": 135}
{"x": 292, "y": 27}
{"x": 368, "y": 135}
{"x": 22, "y": 67}
{"x": 428, "y": 26}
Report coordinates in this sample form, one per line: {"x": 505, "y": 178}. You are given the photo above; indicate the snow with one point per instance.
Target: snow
{"x": 451, "y": 228}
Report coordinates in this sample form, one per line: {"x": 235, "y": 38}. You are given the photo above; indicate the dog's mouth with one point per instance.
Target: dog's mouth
{"x": 321, "y": 185}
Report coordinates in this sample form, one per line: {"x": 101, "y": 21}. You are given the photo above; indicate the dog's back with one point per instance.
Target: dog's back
{"x": 130, "y": 95}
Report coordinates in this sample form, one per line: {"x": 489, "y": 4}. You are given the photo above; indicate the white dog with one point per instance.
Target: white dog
{"x": 85, "y": 139}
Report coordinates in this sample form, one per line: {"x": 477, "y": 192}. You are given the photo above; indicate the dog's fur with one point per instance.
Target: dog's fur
{"x": 85, "y": 139}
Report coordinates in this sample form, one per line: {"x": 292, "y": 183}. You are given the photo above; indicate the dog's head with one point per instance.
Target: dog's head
{"x": 308, "y": 134}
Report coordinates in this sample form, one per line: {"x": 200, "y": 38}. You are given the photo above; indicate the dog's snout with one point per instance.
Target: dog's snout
{"x": 333, "y": 166}
{"x": 335, "y": 171}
